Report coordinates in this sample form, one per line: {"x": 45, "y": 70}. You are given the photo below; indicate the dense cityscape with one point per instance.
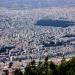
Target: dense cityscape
{"x": 24, "y": 35}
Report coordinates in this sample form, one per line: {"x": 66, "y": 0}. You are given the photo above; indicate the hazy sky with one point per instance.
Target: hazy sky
{"x": 37, "y": 3}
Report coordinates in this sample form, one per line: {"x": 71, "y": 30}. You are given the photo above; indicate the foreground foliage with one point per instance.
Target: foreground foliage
{"x": 49, "y": 68}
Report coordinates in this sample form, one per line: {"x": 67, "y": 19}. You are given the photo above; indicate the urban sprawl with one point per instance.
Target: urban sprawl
{"x": 22, "y": 39}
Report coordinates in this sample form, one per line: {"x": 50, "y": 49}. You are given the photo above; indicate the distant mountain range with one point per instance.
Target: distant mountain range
{"x": 21, "y": 4}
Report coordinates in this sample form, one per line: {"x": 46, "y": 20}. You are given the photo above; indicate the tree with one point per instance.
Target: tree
{"x": 40, "y": 68}
{"x": 53, "y": 68}
{"x": 46, "y": 65}
{"x": 27, "y": 70}
{"x": 6, "y": 72}
{"x": 18, "y": 72}
{"x": 67, "y": 67}
{"x": 70, "y": 72}
{"x": 31, "y": 69}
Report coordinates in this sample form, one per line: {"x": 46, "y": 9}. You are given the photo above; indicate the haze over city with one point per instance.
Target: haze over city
{"x": 36, "y": 3}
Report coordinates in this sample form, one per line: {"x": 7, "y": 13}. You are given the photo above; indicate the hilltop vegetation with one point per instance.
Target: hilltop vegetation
{"x": 48, "y": 68}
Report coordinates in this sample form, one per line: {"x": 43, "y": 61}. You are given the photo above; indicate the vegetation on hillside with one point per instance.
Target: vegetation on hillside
{"x": 49, "y": 68}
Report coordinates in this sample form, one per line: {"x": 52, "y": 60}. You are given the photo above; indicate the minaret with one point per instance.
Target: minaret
{"x": 10, "y": 57}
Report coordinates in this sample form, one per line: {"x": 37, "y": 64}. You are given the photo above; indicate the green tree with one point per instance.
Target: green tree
{"x": 53, "y": 67}
{"x": 18, "y": 72}
{"x": 40, "y": 68}
{"x": 67, "y": 66}
{"x": 31, "y": 69}
{"x": 70, "y": 72}
{"x": 27, "y": 70}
